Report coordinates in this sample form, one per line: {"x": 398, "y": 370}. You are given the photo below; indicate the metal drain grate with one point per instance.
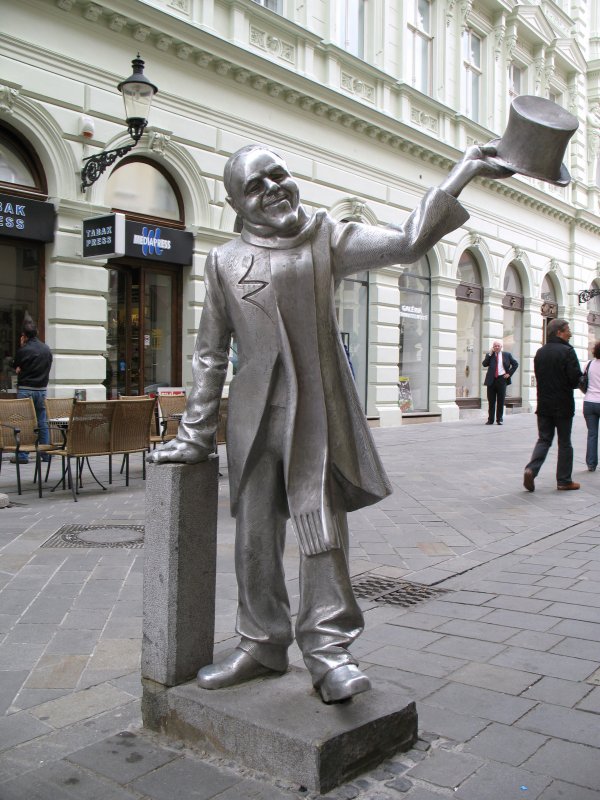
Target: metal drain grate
{"x": 106, "y": 535}
{"x": 393, "y": 591}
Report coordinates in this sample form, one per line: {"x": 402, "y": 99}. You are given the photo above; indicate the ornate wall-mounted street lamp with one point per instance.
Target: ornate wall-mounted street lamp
{"x": 137, "y": 92}
{"x": 587, "y": 295}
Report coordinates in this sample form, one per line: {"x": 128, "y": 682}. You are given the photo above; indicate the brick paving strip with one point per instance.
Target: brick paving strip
{"x": 505, "y": 666}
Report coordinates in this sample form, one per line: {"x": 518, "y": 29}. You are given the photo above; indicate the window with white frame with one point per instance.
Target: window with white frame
{"x": 420, "y": 45}
{"x": 350, "y": 26}
{"x": 516, "y": 81}
{"x": 272, "y": 5}
{"x": 472, "y": 46}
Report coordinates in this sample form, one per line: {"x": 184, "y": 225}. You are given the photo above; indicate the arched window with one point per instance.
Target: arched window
{"x": 549, "y": 307}
{"x": 469, "y": 294}
{"x": 20, "y": 168}
{"x": 415, "y": 317}
{"x": 143, "y": 189}
{"x": 21, "y": 258}
{"x": 513, "y": 304}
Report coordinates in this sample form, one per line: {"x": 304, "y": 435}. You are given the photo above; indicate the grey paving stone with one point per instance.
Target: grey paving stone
{"x": 431, "y": 664}
{"x": 62, "y": 781}
{"x": 73, "y": 642}
{"x": 484, "y": 703}
{"x": 422, "y": 620}
{"x": 500, "y": 587}
{"x": 563, "y": 723}
{"x": 47, "y": 610}
{"x": 17, "y": 655}
{"x": 569, "y": 762}
{"x": 591, "y": 702}
{"x": 489, "y": 676}
{"x": 414, "y": 685}
{"x": 554, "y": 666}
{"x": 558, "y": 692}
{"x": 588, "y": 598}
{"x": 80, "y": 705}
{"x": 444, "y": 768}
{"x": 193, "y": 778}
{"x": 448, "y": 723}
{"x": 534, "y": 640}
{"x": 525, "y": 621}
{"x": 123, "y": 757}
{"x": 573, "y": 611}
{"x": 521, "y": 604}
{"x": 10, "y": 683}
{"x": 460, "y": 647}
{"x": 557, "y": 583}
{"x": 91, "y": 619}
{"x": 400, "y": 784}
{"x": 28, "y": 698}
{"x": 505, "y": 743}
{"x": 501, "y": 782}
{"x": 391, "y": 634}
{"x": 568, "y": 791}
{"x": 579, "y": 648}
{"x": 477, "y": 630}
{"x": 253, "y": 790}
{"x": 21, "y": 727}
{"x": 578, "y": 629}
{"x": 446, "y": 608}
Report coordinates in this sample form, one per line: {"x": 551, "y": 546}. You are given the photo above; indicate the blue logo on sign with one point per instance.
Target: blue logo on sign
{"x": 150, "y": 238}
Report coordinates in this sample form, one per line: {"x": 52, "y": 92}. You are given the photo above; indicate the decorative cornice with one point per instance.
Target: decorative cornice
{"x": 378, "y": 127}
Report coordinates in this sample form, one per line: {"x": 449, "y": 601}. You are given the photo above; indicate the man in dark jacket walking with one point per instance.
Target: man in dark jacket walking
{"x": 32, "y": 363}
{"x": 557, "y": 373}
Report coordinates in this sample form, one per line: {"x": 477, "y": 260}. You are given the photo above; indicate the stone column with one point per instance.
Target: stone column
{"x": 179, "y": 570}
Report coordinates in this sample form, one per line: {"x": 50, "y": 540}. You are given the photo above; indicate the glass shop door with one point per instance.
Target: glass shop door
{"x": 143, "y": 330}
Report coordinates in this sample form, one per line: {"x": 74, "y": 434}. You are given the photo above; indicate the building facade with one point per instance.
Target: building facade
{"x": 370, "y": 102}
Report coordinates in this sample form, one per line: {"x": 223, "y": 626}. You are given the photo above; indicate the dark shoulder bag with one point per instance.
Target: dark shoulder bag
{"x": 583, "y": 381}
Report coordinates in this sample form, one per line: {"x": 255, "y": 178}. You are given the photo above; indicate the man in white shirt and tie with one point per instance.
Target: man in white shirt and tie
{"x": 500, "y": 369}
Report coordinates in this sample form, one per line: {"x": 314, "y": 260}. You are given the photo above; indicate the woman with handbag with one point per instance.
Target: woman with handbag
{"x": 590, "y": 384}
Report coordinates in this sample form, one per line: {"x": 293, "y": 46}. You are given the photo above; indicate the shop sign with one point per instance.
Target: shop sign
{"x": 413, "y": 312}
{"x": 26, "y": 219}
{"x": 104, "y": 237}
{"x": 113, "y": 236}
{"x": 157, "y": 243}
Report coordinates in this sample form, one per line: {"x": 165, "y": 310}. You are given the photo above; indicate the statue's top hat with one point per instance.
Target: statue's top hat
{"x": 536, "y": 138}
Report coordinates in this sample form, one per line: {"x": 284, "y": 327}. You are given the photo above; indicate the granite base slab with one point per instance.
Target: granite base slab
{"x": 280, "y": 726}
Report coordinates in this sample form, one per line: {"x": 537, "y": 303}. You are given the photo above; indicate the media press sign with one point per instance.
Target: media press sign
{"x": 113, "y": 236}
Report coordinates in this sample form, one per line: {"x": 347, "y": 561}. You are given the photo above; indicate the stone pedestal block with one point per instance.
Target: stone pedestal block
{"x": 279, "y": 725}
{"x": 179, "y": 570}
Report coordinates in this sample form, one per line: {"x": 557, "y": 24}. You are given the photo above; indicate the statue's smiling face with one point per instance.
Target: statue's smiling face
{"x": 264, "y": 193}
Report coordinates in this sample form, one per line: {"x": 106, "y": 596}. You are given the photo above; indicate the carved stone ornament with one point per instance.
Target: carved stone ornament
{"x": 163, "y": 42}
{"x": 593, "y": 132}
{"x": 273, "y": 45}
{"x": 117, "y": 23}
{"x": 554, "y": 265}
{"x": 357, "y": 208}
{"x": 476, "y": 240}
{"x": 184, "y": 51}
{"x": 7, "y": 98}
{"x": 66, "y": 5}
{"x": 357, "y": 87}
{"x": 92, "y": 12}
{"x": 519, "y": 253}
{"x": 423, "y": 119}
{"x": 141, "y": 33}
{"x": 180, "y": 5}
{"x": 158, "y": 142}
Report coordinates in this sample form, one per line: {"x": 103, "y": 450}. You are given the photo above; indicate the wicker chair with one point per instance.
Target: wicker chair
{"x": 168, "y": 405}
{"x": 19, "y": 433}
{"x": 89, "y": 435}
{"x": 57, "y": 408}
{"x": 131, "y": 430}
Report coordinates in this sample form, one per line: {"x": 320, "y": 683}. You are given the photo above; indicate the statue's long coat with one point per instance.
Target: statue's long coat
{"x": 276, "y": 296}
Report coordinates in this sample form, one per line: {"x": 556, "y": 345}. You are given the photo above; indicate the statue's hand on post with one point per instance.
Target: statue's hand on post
{"x": 179, "y": 451}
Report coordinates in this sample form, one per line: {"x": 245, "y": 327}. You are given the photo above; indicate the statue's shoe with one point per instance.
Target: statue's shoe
{"x": 236, "y": 668}
{"x": 342, "y": 683}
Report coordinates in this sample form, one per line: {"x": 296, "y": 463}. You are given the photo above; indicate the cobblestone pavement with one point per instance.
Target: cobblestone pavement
{"x": 504, "y": 663}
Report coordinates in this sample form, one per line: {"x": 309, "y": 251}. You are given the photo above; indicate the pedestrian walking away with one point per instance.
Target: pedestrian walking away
{"x": 557, "y": 374}
{"x": 591, "y": 408}
{"x": 500, "y": 369}
{"x": 32, "y": 365}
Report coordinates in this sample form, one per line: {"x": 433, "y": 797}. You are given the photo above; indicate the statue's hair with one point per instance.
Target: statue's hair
{"x": 248, "y": 148}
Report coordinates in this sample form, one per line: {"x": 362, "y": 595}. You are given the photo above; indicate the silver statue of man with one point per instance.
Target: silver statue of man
{"x": 298, "y": 445}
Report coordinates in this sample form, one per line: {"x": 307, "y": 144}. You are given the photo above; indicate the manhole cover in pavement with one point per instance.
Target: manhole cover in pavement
{"x": 97, "y": 536}
{"x": 393, "y": 591}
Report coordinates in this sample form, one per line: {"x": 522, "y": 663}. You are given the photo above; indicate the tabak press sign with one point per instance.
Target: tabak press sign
{"x": 112, "y": 236}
